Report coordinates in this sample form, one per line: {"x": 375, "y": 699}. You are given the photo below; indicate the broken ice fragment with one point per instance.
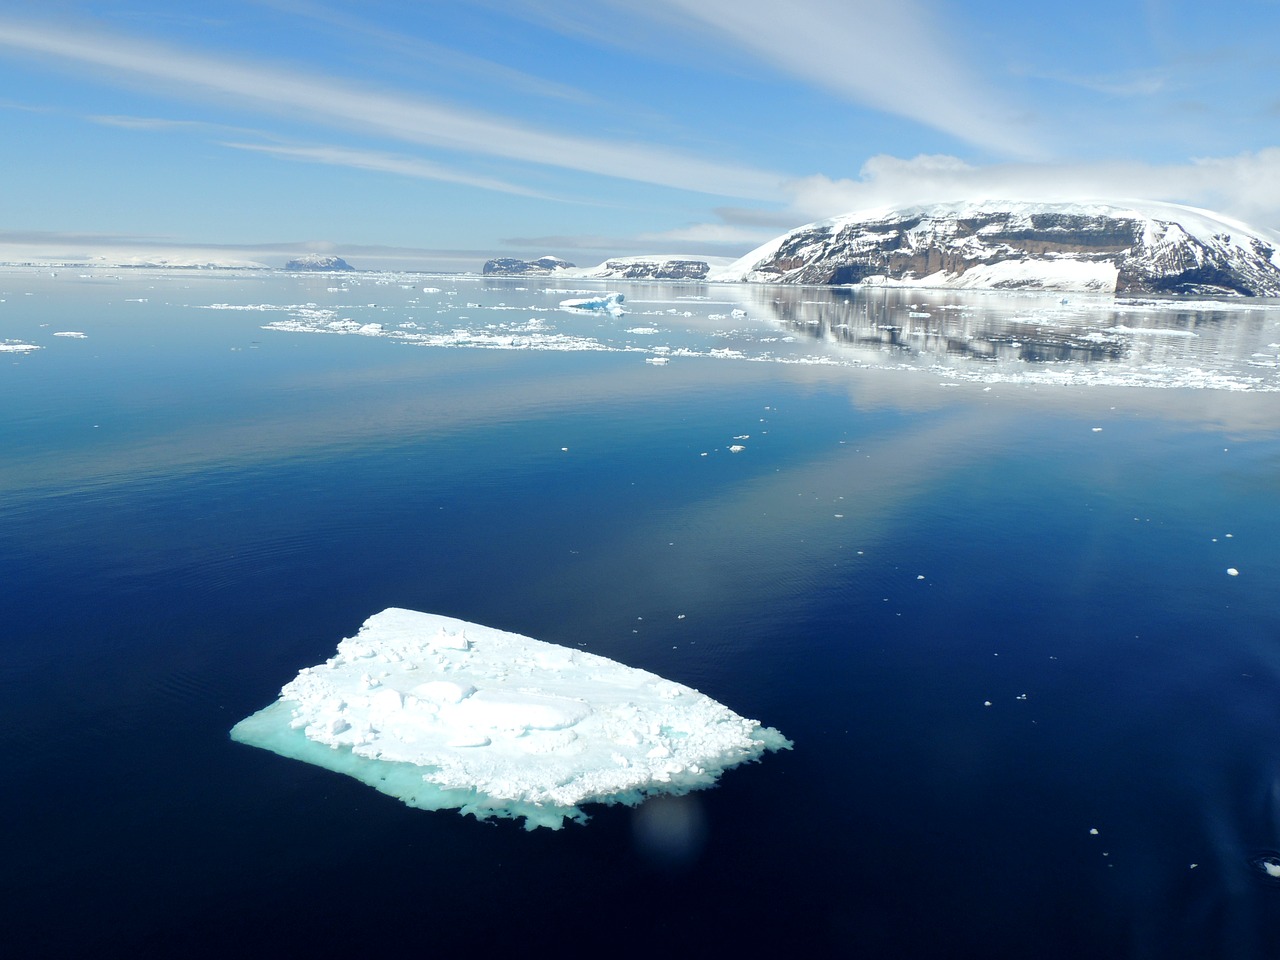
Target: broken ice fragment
{"x": 516, "y": 728}
{"x": 607, "y": 302}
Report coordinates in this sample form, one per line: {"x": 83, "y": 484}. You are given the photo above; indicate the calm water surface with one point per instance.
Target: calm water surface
{"x": 972, "y": 558}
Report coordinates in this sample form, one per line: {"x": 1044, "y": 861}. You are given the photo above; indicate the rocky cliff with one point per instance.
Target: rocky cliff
{"x": 1107, "y": 248}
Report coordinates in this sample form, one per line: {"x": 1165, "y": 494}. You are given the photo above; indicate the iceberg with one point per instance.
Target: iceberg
{"x": 446, "y": 714}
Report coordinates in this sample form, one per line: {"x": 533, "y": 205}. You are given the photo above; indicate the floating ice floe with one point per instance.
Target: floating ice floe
{"x": 16, "y": 346}
{"x": 606, "y": 302}
{"x": 72, "y": 334}
{"x": 445, "y": 714}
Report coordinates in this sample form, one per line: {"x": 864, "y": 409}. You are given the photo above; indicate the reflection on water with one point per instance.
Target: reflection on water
{"x": 1001, "y": 337}
{"x": 989, "y": 337}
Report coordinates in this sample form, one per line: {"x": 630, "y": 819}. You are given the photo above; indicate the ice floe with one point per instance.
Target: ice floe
{"x": 446, "y": 714}
{"x": 607, "y": 302}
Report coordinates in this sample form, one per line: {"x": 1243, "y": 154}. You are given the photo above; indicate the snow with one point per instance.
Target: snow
{"x": 446, "y": 714}
{"x": 1046, "y": 274}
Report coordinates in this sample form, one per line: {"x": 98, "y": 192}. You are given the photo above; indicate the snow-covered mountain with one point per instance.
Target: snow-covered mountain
{"x": 1127, "y": 248}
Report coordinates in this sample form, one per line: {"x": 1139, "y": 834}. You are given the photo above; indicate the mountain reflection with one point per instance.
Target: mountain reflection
{"x": 915, "y": 326}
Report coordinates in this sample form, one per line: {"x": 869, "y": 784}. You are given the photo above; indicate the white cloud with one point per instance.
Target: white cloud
{"x": 409, "y": 119}
{"x": 1245, "y": 186}
{"x": 382, "y": 163}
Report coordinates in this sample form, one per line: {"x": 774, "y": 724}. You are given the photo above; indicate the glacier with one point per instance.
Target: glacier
{"x": 443, "y": 713}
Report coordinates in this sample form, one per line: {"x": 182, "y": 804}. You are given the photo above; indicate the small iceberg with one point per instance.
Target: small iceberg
{"x": 446, "y": 714}
{"x": 606, "y": 302}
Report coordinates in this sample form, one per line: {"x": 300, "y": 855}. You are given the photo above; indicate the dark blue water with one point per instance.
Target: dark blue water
{"x": 193, "y": 508}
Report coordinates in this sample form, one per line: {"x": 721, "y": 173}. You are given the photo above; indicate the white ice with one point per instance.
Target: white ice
{"x": 446, "y": 714}
{"x": 607, "y": 302}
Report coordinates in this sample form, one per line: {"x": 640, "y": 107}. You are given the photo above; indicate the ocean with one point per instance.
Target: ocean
{"x": 1003, "y": 566}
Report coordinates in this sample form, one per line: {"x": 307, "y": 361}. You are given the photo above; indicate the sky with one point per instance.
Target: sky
{"x": 435, "y": 136}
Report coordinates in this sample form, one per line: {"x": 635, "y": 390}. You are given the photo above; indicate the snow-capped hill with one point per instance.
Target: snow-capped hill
{"x": 316, "y": 262}
{"x": 653, "y": 267}
{"x": 511, "y": 267}
{"x": 1128, "y": 248}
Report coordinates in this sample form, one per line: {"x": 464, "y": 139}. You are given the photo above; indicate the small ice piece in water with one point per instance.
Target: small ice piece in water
{"x": 495, "y": 724}
{"x": 606, "y": 302}
{"x": 736, "y": 448}
{"x": 1269, "y": 864}
{"x": 1232, "y": 572}
{"x": 1093, "y": 831}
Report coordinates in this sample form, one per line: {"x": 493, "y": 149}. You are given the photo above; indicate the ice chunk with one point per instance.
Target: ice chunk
{"x": 445, "y": 714}
{"x": 606, "y": 302}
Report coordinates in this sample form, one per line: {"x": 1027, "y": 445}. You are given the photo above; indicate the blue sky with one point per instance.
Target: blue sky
{"x": 425, "y": 135}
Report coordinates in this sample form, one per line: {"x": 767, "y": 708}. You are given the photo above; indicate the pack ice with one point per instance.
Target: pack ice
{"x": 442, "y": 713}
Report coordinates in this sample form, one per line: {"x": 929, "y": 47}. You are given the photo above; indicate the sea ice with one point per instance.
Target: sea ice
{"x": 606, "y": 302}
{"x": 445, "y": 714}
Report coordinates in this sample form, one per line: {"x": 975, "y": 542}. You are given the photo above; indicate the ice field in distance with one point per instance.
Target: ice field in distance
{"x": 446, "y": 714}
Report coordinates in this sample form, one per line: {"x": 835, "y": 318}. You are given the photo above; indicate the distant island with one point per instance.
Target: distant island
{"x": 651, "y": 267}
{"x": 511, "y": 267}
{"x": 317, "y": 263}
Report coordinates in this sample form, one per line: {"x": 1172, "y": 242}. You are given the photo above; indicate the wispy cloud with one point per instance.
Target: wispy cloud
{"x": 1137, "y": 84}
{"x": 150, "y": 123}
{"x": 425, "y": 53}
{"x": 356, "y": 159}
{"x": 381, "y": 163}
{"x": 408, "y": 119}
{"x": 889, "y": 56}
